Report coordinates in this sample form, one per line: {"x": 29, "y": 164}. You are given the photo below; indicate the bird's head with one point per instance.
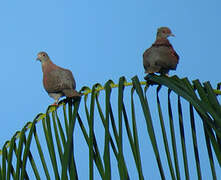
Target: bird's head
{"x": 42, "y": 56}
{"x": 164, "y": 32}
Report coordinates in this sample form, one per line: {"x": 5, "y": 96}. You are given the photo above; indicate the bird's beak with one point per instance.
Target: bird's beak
{"x": 37, "y": 59}
{"x": 172, "y": 35}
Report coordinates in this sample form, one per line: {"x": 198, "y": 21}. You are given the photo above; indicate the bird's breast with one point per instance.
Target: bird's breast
{"x": 45, "y": 83}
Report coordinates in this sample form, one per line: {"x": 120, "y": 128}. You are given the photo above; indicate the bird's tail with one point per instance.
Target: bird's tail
{"x": 72, "y": 93}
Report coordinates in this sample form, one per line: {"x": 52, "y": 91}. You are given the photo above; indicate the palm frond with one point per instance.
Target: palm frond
{"x": 177, "y": 115}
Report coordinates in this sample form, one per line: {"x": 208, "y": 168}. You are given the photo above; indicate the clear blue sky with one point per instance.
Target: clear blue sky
{"x": 98, "y": 41}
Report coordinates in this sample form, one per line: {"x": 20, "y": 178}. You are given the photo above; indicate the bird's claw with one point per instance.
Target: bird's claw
{"x": 55, "y": 104}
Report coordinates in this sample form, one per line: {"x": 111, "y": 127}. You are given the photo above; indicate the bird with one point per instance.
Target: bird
{"x": 161, "y": 57}
{"x": 57, "y": 81}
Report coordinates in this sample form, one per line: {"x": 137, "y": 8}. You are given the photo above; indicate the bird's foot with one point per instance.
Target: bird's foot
{"x": 149, "y": 81}
{"x": 55, "y": 104}
{"x": 148, "y": 76}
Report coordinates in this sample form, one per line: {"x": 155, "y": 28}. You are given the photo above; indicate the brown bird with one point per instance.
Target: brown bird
{"x": 160, "y": 57}
{"x": 57, "y": 81}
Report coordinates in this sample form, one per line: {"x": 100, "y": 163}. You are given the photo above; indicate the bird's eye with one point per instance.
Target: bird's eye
{"x": 164, "y": 31}
{"x": 43, "y": 55}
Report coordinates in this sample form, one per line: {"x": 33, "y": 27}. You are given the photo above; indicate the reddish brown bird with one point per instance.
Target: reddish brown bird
{"x": 57, "y": 81}
{"x": 161, "y": 57}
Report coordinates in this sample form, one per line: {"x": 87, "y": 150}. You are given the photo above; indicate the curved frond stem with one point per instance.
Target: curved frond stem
{"x": 85, "y": 91}
{"x": 114, "y": 113}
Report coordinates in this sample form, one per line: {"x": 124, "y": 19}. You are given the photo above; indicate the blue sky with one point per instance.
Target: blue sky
{"x": 98, "y": 41}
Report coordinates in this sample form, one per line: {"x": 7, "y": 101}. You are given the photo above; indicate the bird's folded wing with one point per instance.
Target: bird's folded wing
{"x": 58, "y": 80}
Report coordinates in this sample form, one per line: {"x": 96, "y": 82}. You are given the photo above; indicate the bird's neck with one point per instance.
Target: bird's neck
{"x": 47, "y": 66}
{"x": 162, "y": 41}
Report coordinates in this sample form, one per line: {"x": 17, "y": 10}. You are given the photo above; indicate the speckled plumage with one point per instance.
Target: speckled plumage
{"x": 160, "y": 57}
{"x": 57, "y": 81}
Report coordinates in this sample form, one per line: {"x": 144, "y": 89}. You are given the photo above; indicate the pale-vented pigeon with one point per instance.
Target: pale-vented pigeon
{"x": 57, "y": 81}
{"x": 160, "y": 57}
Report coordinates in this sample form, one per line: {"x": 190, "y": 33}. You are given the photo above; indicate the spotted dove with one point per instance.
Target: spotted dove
{"x": 57, "y": 81}
{"x": 160, "y": 57}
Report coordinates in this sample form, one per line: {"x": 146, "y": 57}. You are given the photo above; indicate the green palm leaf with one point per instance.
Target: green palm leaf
{"x": 30, "y": 155}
